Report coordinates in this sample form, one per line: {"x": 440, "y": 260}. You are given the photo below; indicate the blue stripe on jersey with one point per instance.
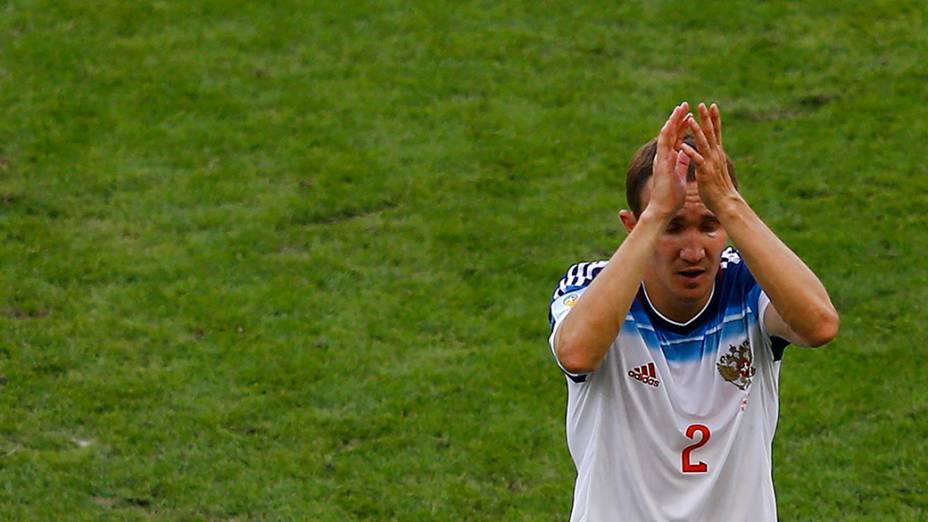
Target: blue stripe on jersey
{"x": 730, "y": 312}
{"x": 736, "y": 295}
{"x": 704, "y": 341}
{"x": 571, "y": 288}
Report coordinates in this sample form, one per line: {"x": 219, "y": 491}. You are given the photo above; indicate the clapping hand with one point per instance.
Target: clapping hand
{"x": 715, "y": 185}
{"x": 668, "y": 190}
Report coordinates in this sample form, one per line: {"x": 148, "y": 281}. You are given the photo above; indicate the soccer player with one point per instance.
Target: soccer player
{"x": 672, "y": 347}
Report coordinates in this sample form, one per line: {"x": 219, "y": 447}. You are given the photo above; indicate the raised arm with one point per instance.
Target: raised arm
{"x": 583, "y": 338}
{"x": 801, "y": 310}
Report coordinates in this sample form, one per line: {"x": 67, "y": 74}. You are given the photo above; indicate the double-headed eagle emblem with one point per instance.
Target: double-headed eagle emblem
{"x": 735, "y": 366}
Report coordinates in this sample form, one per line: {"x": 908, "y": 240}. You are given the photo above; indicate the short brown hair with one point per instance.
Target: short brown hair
{"x": 639, "y": 172}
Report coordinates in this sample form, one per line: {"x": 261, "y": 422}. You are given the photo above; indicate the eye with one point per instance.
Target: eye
{"x": 709, "y": 227}
{"x": 674, "y": 228}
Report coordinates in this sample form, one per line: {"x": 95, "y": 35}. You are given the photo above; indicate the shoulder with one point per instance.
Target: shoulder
{"x": 739, "y": 289}
{"x": 738, "y": 285}
{"x": 730, "y": 256}
{"x": 734, "y": 270}
{"x": 577, "y": 277}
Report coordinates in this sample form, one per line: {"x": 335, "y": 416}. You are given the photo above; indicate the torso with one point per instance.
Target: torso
{"x": 678, "y": 421}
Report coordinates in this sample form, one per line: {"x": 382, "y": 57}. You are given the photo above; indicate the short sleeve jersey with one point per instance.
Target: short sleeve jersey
{"x": 677, "y": 422}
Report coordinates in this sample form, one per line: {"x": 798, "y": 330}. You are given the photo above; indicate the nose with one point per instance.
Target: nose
{"x": 692, "y": 253}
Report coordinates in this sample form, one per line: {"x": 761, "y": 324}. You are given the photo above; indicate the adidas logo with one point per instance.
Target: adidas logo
{"x": 645, "y": 374}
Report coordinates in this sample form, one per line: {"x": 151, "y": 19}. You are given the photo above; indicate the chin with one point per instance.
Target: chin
{"x": 693, "y": 294}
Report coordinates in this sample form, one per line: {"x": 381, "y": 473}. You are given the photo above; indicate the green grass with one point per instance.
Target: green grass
{"x": 291, "y": 260}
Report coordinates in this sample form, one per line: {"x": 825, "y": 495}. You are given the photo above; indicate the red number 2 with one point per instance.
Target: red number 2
{"x": 700, "y": 467}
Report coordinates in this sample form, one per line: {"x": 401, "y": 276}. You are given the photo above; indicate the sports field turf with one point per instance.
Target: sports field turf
{"x": 292, "y": 260}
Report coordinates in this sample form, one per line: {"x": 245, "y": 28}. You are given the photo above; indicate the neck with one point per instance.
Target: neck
{"x": 675, "y": 309}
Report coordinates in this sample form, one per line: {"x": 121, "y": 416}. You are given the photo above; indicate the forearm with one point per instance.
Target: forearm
{"x": 584, "y": 336}
{"x": 796, "y": 293}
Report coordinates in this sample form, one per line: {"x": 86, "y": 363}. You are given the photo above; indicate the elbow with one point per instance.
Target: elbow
{"x": 826, "y": 328}
{"x": 575, "y": 364}
{"x": 574, "y": 356}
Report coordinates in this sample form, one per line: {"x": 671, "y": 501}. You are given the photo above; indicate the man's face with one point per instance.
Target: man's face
{"x": 687, "y": 256}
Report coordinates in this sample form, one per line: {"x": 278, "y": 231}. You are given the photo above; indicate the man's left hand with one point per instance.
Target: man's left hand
{"x": 716, "y": 188}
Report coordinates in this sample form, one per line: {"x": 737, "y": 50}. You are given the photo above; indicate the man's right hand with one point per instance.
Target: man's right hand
{"x": 584, "y": 336}
{"x": 668, "y": 185}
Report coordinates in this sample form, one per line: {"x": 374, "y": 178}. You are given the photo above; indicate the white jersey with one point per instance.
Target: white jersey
{"x": 678, "y": 421}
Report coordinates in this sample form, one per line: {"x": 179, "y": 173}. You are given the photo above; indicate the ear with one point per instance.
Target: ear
{"x": 627, "y": 217}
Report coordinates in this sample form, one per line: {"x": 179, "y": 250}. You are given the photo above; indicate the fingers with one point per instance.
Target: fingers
{"x": 685, "y": 125}
{"x": 672, "y": 132}
{"x": 705, "y": 121}
{"x": 702, "y": 143}
{"x": 665, "y": 135}
{"x": 708, "y": 130}
{"x": 693, "y": 155}
{"x": 681, "y": 124}
{"x": 681, "y": 165}
{"x": 674, "y": 117}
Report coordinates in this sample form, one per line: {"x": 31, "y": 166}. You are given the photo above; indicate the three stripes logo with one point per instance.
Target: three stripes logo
{"x": 645, "y": 374}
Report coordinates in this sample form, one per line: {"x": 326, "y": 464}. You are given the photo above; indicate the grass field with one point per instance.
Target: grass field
{"x": 292, "y": 260}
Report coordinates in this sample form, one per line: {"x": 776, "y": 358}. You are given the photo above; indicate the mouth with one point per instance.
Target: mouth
{"x": 691, "y": 275}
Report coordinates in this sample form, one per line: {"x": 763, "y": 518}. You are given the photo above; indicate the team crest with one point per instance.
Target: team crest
{"x": 735, "y": 366}
{"x": 570, "y": 301}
